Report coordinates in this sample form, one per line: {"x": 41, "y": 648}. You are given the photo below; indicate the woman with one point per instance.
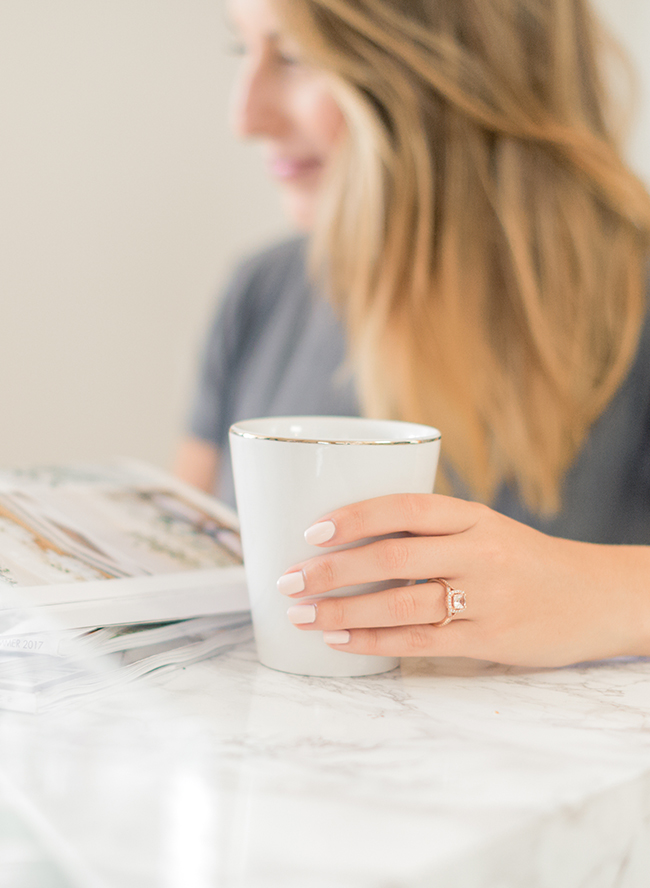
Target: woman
{"x": 485, "y": 250}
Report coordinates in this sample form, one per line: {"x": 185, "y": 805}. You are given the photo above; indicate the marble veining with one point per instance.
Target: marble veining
{"x": 443, "y": 772}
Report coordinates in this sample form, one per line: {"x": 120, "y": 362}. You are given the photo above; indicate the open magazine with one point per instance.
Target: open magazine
{"x": 123, "y": 543}
{"x": 97, "y": 662}
{"x": 120, "y": 561}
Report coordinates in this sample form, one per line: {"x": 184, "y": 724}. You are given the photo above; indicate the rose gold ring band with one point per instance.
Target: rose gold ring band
{"x": 454, "y": 599}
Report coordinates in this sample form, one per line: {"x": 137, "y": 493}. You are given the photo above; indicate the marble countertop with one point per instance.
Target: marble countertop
{"x": 445, "y": 773}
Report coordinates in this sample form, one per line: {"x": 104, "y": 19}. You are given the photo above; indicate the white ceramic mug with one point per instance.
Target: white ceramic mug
{"x": 289, "y": 472}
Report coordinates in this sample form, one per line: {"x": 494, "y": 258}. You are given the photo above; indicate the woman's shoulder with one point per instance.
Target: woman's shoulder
{"x": 272, "y": 268}
{"x": 271, "y": 282}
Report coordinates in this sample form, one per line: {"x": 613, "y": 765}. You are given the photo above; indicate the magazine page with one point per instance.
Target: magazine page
{"x": 98, "y": 534}
{"x": 94, "y": 664}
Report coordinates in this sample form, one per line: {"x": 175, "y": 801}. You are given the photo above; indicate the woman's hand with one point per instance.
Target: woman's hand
{"x": 531, "y": 599}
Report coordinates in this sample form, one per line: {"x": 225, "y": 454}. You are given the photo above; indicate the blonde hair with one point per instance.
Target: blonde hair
{"x": 484, "y": 239}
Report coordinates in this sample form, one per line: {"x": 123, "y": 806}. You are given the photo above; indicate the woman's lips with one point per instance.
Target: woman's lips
{"x": 289, "y": 168}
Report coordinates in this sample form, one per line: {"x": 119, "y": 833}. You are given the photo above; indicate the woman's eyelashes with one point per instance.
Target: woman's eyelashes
{"x": 274, "y": 52}
{"x": 235, "y": 48}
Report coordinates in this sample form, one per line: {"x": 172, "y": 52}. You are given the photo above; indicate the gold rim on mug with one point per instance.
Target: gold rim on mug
{"x": 242, "y": 433}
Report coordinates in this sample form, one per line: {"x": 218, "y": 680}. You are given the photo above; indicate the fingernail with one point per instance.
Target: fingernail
{"x": 302, "y": 613}
{"x": 341, "y": 636}
{"x": 291, "y": 583}
{"x": 320, "y": 533}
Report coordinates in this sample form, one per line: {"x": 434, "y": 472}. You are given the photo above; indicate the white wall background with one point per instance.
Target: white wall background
{"x": 123, "y": 200}
{"x": 123, "y": 203}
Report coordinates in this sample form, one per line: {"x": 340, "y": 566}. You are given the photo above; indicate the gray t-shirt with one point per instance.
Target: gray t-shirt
{"x": 276, "y": 348}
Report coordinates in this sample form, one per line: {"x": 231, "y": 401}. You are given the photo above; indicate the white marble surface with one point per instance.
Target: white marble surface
{"x": 451, "y": 774}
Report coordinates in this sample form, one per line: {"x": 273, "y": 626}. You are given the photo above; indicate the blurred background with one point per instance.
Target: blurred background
{"x": 124, "y": 202}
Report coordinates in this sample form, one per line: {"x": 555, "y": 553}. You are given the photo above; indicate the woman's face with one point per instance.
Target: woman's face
{"x": 287, "y": 105}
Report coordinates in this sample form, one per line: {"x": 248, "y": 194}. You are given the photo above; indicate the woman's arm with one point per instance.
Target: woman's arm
{"x": 197, "y": 462}
{"x": 531, "y": 599}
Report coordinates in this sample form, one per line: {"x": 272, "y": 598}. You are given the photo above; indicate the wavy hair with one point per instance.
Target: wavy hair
{"x": 481, "y": 234}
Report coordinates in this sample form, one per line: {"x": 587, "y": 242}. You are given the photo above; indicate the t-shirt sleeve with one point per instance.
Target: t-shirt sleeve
{"x": 209, "y": 410}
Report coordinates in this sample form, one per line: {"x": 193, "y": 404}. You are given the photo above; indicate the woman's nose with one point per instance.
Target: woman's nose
{"x": 257, "y": 105}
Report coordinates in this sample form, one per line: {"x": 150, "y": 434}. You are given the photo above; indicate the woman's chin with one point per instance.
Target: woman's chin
{"x": 300, "y": 208}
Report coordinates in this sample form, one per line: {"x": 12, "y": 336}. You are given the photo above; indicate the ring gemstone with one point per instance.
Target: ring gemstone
{"x": 455, "y": 601}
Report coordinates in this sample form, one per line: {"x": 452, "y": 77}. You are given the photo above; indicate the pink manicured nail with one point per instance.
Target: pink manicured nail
{"x": 320, "y": 533}
{"x": 291, "y": 583}
{"x": 302, "y": 613}
{"x": 341, "y": 636}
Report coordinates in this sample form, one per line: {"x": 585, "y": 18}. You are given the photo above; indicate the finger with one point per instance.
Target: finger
{"x": 406, "y": 558}
{"x": 400, "y": 606}
{"x": 453, "y": 640}
{"x": 417, "y": 513}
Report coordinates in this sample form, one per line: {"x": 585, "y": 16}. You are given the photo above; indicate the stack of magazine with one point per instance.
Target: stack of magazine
{"x": 107, "y": 573}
